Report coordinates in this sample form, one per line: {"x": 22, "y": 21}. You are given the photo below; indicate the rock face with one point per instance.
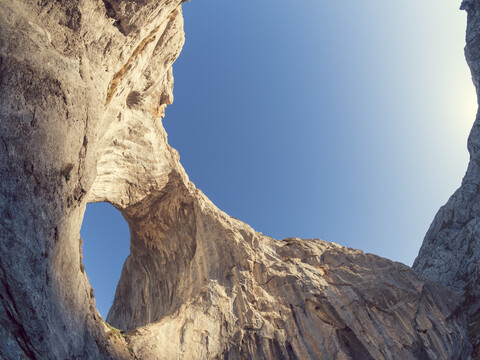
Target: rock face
{"x": 83, "y": 89}
{"x": 450, "y": 253}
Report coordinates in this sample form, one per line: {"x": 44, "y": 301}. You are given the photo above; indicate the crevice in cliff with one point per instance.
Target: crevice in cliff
{"x": 112, "y": 12}
{"x": 141, "y": 47}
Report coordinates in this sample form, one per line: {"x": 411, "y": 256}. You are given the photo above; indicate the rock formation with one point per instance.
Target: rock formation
{"x": 450, "y": 253}
{"x": 83, "y": 89}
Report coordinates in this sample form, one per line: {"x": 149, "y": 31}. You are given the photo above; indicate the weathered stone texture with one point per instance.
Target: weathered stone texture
{"x": 83, "y": 89}
{"x": 450, "y": 254}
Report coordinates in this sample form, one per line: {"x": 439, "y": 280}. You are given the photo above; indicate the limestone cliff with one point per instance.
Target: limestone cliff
{"x": 450, "y": 253}
{"x": 83, "y": 89}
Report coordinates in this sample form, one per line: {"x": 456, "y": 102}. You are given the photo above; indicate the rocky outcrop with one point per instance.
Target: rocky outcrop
{"x": 197, "y": 276}
{"x": 83, "y": 89}
{"x": 450, "y": 253}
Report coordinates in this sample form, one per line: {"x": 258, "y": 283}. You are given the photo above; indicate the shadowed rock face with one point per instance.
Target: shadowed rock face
{"x": 450, "y": 253}
{"x": 83, "y": 89}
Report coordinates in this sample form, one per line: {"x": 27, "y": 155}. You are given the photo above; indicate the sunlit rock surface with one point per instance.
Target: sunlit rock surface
{"x": 450, "y": 253}
{"x": 83, "y": 89}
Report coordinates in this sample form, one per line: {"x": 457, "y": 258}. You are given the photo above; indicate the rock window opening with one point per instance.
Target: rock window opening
{"x": 106, "y": 244}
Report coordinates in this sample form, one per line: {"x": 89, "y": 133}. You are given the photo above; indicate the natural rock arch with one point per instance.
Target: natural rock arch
{"x": 195, "y": 275}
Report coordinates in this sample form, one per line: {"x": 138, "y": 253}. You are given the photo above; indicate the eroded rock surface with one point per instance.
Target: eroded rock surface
{"x": 450, "y": 253}
{"x": 83, "y": 89}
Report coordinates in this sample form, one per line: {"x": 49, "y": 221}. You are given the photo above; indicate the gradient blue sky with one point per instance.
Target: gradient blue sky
{"x": 345, "y": 121}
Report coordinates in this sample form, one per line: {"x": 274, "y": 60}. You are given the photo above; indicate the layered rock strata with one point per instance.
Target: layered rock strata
{"x": 83, "y": 89}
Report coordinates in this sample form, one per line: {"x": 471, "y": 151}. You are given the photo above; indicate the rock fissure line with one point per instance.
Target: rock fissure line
{"x": 112, "y": 87}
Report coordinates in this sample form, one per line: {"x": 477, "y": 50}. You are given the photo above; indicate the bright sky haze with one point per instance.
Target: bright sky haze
{"x": 345, "y": 121}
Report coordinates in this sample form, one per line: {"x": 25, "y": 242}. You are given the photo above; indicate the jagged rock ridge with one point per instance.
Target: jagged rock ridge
{"x": 450, "y": 253}
{"x": 84, "y": 86}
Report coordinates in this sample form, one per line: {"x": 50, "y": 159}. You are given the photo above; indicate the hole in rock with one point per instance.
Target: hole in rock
{"x": 297, "y": 131}
{"x": 106, "y": 245}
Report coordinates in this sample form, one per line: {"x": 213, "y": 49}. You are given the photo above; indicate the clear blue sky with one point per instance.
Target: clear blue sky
{"x": 345, "y": 121}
